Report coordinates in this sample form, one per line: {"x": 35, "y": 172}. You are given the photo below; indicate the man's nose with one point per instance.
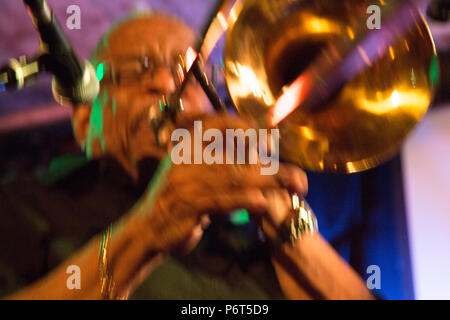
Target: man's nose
{"x": 161, "y": 81}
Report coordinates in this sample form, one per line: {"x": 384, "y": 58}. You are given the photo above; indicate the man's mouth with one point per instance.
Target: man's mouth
{"x": 142, "y": 116}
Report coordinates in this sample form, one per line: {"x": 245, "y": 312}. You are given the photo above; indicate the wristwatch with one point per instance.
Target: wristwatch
{"x": 302, "y": 221}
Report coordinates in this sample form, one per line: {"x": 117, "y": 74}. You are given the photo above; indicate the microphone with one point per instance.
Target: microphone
{"x": 74, "y": 82}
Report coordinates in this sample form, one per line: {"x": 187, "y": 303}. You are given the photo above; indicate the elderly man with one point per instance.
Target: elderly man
{"x": 139, "y": 58}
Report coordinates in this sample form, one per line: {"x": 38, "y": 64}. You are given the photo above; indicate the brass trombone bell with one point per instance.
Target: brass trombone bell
{"x": 363, "y": 123}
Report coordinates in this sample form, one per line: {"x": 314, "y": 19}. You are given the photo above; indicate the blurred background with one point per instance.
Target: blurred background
{"x": 408, "y": 231}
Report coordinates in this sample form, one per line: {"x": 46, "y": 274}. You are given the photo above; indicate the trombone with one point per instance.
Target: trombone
{"x": 343, "y": 96}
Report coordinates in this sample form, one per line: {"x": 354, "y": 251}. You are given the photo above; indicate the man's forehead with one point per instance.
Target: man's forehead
{"x": 154, "y": 34}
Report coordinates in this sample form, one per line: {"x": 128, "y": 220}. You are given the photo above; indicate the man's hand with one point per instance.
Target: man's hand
{"x": 174, "y": 210}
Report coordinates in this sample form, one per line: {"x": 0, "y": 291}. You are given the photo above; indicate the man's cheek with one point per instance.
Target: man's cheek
{"x": 96, "y": 131}
{"x": 94, "y": 148}
{"x": 101, "y": 135}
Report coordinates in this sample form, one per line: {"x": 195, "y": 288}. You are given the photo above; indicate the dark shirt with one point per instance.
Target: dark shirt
{"x": 45, "y": 219}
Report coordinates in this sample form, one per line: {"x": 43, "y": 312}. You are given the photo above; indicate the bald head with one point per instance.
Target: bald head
{"x": 152, "y": 34}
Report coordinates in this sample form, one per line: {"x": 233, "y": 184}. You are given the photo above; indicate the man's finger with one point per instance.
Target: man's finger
{"x": 250, "y": 199}
{"x": 224, "y": 177}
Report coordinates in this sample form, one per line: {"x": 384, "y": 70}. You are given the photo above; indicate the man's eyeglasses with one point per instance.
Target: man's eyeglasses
{"x": 131, "y": 70}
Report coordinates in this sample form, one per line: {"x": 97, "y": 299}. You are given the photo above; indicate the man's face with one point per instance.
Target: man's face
{"x": 139, "y": 60}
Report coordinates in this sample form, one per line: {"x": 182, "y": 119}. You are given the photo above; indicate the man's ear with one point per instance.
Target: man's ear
{"x": 80, "y": 122}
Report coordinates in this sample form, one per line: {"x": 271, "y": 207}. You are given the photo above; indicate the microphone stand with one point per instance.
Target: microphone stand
{"x": 20, "y": 73}
{"x": 74, "y": 82}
